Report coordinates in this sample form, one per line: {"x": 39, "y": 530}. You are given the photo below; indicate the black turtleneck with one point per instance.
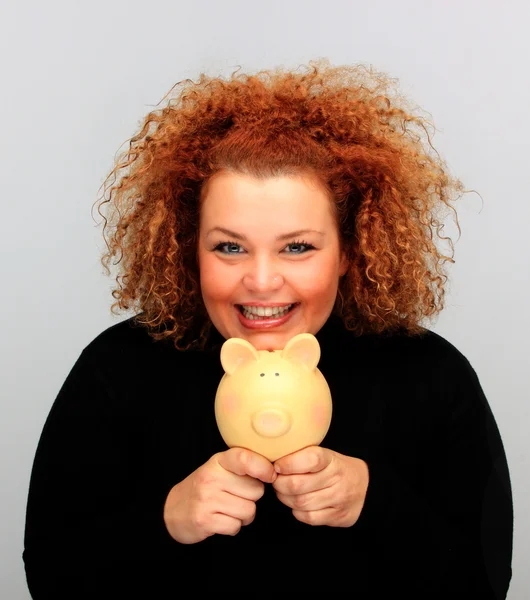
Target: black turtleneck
{"x": 134, "y": 417}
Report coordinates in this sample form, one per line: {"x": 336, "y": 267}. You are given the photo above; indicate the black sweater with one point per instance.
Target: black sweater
{"x": 135, "y": 417}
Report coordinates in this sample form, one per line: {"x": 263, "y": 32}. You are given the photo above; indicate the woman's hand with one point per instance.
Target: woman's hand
{"x": 218, "y": 497}
{"x": 322, "y": 487}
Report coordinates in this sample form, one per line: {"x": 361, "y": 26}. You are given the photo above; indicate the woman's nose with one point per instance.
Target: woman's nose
{"x": 263, "y": 277}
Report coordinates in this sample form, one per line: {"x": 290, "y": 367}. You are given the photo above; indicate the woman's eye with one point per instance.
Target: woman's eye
{"x": 299, "y": 247}
{"x": 228, "y": 248}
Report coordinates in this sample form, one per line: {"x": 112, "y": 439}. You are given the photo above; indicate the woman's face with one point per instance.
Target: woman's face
{"x": 263, "y": 245}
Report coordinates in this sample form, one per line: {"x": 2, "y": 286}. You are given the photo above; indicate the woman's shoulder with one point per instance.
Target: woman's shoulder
{"x": 400, "y": 356}
{"x": 398, "y": 345}
{"x": 426, "y": 345}
{"x": 121, "y": 339}
{"x": 125, "y": 356}
{"x": 127, "y": 346}
{"x": 426, "y": 365}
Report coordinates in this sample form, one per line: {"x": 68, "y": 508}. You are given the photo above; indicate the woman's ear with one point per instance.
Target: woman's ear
{"x": 344, "y": 264}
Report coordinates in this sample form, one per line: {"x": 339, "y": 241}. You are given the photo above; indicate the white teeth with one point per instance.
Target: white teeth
{"x": 255, "y": 312}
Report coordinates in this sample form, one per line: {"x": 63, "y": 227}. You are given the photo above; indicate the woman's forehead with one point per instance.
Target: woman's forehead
{"x": 294, "y": 178}
{"x": 242, "y": 197}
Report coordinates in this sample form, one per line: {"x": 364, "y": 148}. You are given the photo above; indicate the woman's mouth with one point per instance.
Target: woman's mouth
{"x": 265, "y": 317}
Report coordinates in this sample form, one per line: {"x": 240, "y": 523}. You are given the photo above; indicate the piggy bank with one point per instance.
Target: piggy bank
{"x": 272, "y": 402}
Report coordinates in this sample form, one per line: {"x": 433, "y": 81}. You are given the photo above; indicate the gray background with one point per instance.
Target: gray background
{"x": 77, "y": 77}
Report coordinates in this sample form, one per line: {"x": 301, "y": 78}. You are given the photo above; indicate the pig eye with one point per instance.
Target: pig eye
{"x": 262, "y": 374}
{"x": 276, "y": 374}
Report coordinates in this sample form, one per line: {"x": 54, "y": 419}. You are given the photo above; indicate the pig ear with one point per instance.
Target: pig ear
{"x": 235, "y": 352}
{"x": 303, "y": 347}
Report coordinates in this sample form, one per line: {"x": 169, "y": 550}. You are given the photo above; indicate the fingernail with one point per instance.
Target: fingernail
{"x": 277, "y": 468}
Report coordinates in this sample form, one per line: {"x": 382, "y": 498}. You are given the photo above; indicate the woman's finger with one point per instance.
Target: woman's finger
{"x": 224, "y": 525}
{"x": 303, "y": 483}
{"x": 233, "y": 506}
{"x": 312, "y": 501}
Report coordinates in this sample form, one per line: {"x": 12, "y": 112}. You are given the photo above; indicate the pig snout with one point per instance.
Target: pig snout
{"x": 271, "y": 422}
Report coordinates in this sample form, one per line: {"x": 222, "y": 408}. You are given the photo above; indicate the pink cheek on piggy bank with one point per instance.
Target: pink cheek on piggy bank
{"x": 320, "y": 416}
{"x": 229, "y": 404}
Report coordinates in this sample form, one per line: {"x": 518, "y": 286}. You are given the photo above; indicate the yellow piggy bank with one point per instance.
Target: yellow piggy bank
{"x": 272, "y": 402}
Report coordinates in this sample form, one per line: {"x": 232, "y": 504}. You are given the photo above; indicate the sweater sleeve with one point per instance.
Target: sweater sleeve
{"x": 450, "y": 529}
{"x": 90, "y": 528}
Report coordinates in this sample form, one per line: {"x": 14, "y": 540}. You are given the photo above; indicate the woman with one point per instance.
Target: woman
{"x": 314, "y": 196}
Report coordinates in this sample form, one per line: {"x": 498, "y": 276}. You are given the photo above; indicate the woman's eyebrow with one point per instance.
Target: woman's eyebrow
{"x": 284, "y": 236}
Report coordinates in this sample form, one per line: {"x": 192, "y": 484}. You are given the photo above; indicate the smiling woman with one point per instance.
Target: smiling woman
{"x": 272, "y": 271}
{"x": 261, "y": 207}
{"x": 352, "y": 135}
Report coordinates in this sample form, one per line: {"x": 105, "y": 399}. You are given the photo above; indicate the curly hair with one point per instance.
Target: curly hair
{"x": 349, "y": 125}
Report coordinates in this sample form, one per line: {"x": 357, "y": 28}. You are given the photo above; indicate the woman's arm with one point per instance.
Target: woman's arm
{"x": 90, "y": 526}
{"x": 448, "y": 530}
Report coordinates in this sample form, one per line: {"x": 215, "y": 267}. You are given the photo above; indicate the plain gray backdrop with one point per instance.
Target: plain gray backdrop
{"x": 77, "y": 78}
